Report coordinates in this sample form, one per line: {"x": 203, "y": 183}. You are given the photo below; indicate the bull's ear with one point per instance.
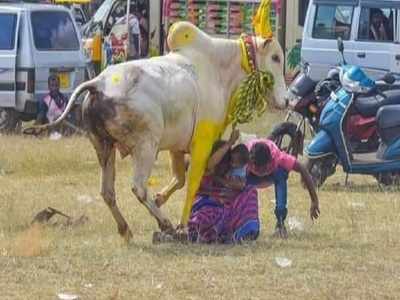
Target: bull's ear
{"x": 266, "y": 43}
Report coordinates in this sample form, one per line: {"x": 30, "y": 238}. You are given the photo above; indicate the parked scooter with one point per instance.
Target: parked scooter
{"x": 307, "y": 98}
{"x": 331, "y": 144}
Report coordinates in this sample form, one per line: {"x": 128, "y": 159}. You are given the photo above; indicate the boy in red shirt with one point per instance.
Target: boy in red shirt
{"x": 269, "y": 165}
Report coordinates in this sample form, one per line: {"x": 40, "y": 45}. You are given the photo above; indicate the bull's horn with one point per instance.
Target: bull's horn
{"x": 262, "y": 21}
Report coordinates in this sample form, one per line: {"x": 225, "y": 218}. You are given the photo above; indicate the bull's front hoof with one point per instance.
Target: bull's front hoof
{"x": 181, "y": 236}
{"x": 166, "y": 227}
{"x": 162, "y": 237}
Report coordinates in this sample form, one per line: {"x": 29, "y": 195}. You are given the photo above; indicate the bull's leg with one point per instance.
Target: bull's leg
{"x": 106, "y": 154}
{"x": 178, "y": 180}
{"x": 144, "y": 156}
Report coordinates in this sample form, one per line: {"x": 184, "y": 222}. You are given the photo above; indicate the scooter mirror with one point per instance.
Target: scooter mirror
{"x": 306, "y": 68}
{"x": 340, "y": 45}
{"x": 389, "y": 78}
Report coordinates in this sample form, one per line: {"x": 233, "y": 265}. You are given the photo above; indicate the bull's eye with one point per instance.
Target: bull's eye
{"x": 276, "y": 58}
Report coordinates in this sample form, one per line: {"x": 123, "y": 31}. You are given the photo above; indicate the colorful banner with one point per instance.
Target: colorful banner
{"x": 218, "y": 17}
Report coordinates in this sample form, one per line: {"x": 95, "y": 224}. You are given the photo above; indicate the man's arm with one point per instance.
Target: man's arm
{"x": 314, "y": 209}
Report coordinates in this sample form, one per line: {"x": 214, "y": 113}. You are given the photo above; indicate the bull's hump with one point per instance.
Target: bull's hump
{"x": 181, "y": 34}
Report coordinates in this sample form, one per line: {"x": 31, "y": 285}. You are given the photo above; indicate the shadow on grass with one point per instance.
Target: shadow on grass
{"x": 360, "y": 188}
{"x": 302, "y": 240}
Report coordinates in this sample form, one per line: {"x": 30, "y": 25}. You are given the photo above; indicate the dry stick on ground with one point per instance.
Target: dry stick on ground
{"x": 45, "y": 215}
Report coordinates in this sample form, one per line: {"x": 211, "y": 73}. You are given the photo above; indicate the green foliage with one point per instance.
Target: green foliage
{"x": 294, "y": 57}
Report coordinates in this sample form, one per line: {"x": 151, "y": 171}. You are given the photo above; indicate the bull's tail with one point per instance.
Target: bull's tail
{"x": 90, "y": 85}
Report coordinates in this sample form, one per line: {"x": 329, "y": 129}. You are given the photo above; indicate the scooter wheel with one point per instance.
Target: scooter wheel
{"x": 295, "y": 137}
{"x": 321, "y": 168}
{"x": 388, "y": 178}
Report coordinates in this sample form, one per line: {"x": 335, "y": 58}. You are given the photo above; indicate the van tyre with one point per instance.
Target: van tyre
{"x": 9, "y": 121}
{"x": 296, "y": 138}
{"x": 321, "y": 168}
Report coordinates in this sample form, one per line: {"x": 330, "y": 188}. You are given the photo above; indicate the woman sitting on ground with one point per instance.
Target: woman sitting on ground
{"x": 225, "y": 209}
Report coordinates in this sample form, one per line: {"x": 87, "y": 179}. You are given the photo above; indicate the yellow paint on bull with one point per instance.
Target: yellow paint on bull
{"x": 180, "y": 35}
{"x": 244, "y": 61}
{"x": 262, "y": 21}
{"x": 116, "y": 78}
{"x": 207, "y": 132}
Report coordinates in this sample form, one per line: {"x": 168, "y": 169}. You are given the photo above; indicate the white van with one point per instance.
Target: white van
{"x": 36, "y": 41}
{"x": 369, "y": 29}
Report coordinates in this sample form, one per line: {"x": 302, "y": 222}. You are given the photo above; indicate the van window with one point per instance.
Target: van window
{"x": 8, "y": 23}
{"x": 78, "y": 15}
{"x": 377, "y": 24}
{"x": 54, "y": 30}
{"x": 333, "y": 21}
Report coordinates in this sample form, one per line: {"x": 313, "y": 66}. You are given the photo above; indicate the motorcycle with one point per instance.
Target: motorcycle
{"x": 331, "y": 145}
{"x": 306, "y": 99}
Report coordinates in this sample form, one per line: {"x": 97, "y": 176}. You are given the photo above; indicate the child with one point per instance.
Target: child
{"x": 235, "y": 177}
{"x": 53, "y": 104}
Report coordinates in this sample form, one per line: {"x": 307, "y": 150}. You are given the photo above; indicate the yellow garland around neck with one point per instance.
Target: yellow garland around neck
{"x": 250, "y": 96}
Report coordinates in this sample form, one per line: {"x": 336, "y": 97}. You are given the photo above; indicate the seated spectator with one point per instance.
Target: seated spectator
{"x": 378, "y": 26}
{"x": 53, "y": 104}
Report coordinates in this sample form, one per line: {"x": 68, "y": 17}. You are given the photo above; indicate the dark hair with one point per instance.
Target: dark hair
{"x": 260, "y": 154}
{"x": 243, "y": 153}
{"x": 377, "y": 12}
{"x": 53, "y": 77}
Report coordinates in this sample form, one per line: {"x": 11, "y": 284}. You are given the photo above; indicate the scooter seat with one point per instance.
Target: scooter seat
{"x": 388, "y": 121}
{"x": 368, "y": 106}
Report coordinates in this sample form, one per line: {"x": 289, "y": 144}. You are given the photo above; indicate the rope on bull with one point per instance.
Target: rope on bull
{"x": 250, "y": 96}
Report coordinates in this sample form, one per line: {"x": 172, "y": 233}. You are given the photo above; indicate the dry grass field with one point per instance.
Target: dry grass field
{"x": 351, "y": 252}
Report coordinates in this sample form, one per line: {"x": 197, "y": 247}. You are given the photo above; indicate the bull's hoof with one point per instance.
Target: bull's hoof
{"x": 166, "y": 227}
{"x": 126, "y": 235}
{"x": 162, "y": 237}
{"x": 181, "y": 236}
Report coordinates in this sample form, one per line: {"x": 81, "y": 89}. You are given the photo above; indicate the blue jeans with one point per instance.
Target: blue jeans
{"x": 279, "y": 179}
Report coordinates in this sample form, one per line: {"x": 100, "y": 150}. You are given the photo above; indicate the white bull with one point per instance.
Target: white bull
{"x": 142, "y": 107}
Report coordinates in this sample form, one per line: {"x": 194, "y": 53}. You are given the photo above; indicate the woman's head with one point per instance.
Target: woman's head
{"x": 377, "y": 17}
{"x": 260, "y": 158}
{"x": 239, "y": 156}
{"x": 54, "y": 83}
